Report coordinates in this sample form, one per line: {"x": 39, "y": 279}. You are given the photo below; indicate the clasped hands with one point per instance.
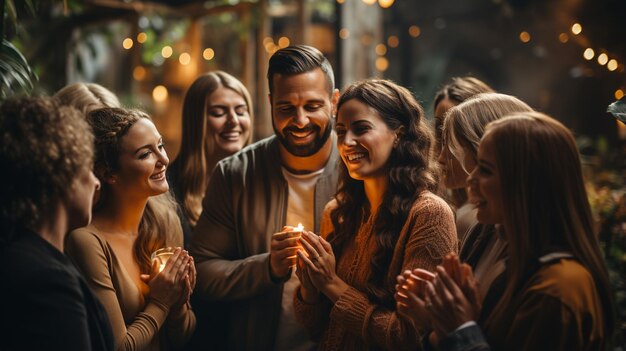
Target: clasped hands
{"x": 440, "y": 301}
{"x": 174, "y": 284}
{"x": 315, "y": 262}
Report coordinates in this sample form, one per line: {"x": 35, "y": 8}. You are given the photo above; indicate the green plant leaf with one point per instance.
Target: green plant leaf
{"x": 618, "y": 109}
{"x": 15, "y": 73}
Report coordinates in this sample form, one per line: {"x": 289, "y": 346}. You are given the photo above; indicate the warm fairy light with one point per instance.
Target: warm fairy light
{"x": 577, "y": 28}
{"x": 563, "y": 38}
{"x": 524, "y": 37}
{"x": 208, "y": 54}
{"x": 184, "y": 59}
{"x": 619, "y": 93}
{"x": 283, "y": 42}
{"x": 603, "y": 59}
{"x": 415, "y": 31}
{"x": 382, "y": 64}
{"x": 381, "y": 49}
{"x": 159, "y": 93}
{"x": 267, "y": 40}
{"x": 369, "y": 2}
{"x": 167, "y": 51}
{"x": 340, "y": 1}
{"x": 393, "y": 41}
{"x": 127, "y": 43}
{"x": 588, "y": 54}
{"x": 139, "y": 73}
{"x": 612, "y": 65}
{"x": 142, "y": 37}
{"x": 344, "y": 33}
{"x": 385, "y": 3}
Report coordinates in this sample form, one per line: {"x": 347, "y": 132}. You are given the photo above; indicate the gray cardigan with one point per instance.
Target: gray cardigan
{"x": 245, "y": 203}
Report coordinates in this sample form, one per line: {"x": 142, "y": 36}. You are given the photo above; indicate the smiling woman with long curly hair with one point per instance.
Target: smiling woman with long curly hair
{"x": 384, "y": 219}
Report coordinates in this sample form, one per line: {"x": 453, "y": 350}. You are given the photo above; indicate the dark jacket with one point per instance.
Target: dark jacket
{"x": 245, "y": 203}
{"x": 45, "y": 302}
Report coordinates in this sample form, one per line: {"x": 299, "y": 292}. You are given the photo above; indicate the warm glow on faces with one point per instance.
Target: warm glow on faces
{"x": 301, "y": 111}
{"x": 228, "y": 120}
{"x": 142, "y": 162}
{"x": 364, "y": 140}
{"x": 484, "y": 184}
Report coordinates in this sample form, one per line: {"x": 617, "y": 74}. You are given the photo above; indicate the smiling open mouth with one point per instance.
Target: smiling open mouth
{"x": 158, "y": 176}
{"x": 355, "y": 156}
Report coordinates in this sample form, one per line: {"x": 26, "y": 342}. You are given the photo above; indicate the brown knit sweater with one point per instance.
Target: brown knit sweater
{"x": 355, "y": 323}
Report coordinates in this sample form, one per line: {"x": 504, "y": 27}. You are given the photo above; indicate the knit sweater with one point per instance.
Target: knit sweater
{"x": 356, "y": 323}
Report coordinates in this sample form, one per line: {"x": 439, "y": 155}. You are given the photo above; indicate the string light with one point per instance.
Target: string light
{"x": 283, "y": 42}
{"x": 577, "y": 28}
{"x": 381, "y": 49}
{"x": 159, "y": 93}
{"x": 142, "y": 37}
{"x": 369, "y": 2}
{"x": 127, "y": 43}
{"x": 563, "y": 38}
{"x": 167, "y": 51}
{"x": 619, "y": 93}
{"x": 139, "y": 73}
{"x": 382, "y": 64}
{"x": 184, "y": 59}
{"x": 603, "y": 59}
{"x": 393, "y": 41}
{"x": 344, "y": 33}
{"x": 208, "y": 54}
{"x": 612, "y": 65}
{"x": 414, "y": 31}
{"x": 385, "y": 3}
{"x": 524, "y": 37}
{"x": 588, "y": 54}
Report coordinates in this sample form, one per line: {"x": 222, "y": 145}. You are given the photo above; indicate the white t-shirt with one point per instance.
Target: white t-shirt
{"x": 300, "y": 210}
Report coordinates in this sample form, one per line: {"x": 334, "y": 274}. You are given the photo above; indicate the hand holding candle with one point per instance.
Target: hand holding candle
{"x": 283, "y": 248}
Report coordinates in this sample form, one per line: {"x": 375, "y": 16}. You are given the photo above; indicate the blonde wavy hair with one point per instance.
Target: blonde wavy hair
{"x": 86, "y": 97}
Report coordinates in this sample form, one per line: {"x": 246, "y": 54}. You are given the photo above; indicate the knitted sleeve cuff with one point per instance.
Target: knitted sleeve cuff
{"x": 353, "y": 311}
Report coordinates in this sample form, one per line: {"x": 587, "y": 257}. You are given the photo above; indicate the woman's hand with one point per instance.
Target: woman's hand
{"x": 170, "y": 285}
{"x": 411, "y": 297}
{"x": 449, "y": 306}
{"x": 309, "y": 293}
{"x": 320, "y": 265}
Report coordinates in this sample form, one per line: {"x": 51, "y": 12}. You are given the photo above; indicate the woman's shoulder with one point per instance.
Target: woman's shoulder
{"x": 566, "y": 280}
{"x": 431, "y": 203}
{"x": 85, "y": 240}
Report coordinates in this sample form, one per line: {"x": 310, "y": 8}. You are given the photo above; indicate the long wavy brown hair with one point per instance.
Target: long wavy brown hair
{"x": 160, "y": 225}
{"x": 409, "y": 168}
{"x": 545, "y": 205}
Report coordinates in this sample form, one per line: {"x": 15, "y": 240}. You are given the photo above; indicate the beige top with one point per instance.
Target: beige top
{"x": 136, "y": 322}
{"x": 354, "y": 322}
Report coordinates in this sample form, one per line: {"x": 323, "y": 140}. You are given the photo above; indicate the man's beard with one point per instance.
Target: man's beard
{"x": 307, "y": 149}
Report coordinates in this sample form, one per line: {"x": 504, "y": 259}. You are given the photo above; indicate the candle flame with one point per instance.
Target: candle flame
{"x": 299, "y": 228}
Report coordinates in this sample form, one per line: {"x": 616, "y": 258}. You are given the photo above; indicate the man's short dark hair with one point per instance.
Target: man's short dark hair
{"x": 299, "y": 59}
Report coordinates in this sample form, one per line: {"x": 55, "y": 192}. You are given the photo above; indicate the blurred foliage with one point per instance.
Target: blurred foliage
{"x": 606, "y": 189}
{"x": 16, "y": 76}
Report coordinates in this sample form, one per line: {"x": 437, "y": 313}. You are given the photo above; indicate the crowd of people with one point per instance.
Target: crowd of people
{"x": 358, "y": 225}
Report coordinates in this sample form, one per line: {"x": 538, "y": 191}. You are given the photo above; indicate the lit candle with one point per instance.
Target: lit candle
{"x": 162, "y": 256}
{"x": 299, "y": 228}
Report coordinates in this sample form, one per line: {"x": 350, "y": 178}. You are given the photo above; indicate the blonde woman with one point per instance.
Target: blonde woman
{"x": 86, "y": 97}
{"x": 482, "y": 248}
{"x": 148, "y": 309}
{"x": 217, "y": 122}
